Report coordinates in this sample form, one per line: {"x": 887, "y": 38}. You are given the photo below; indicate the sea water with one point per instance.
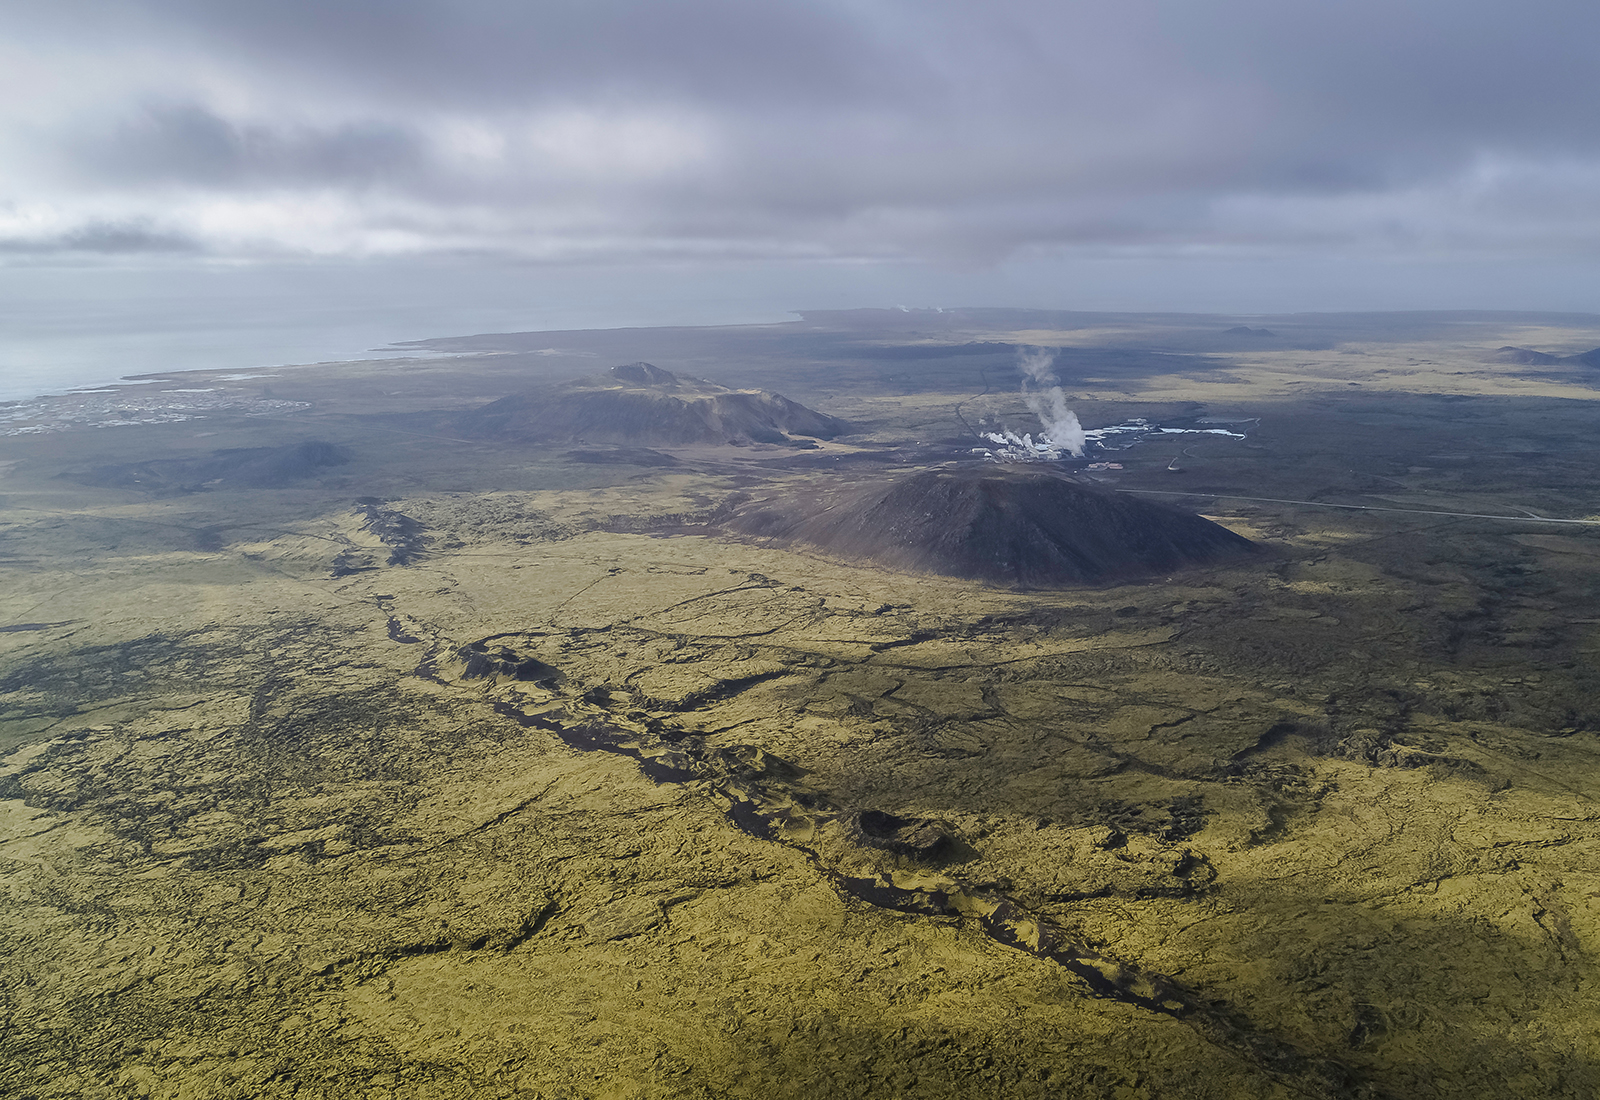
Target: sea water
{"x": 65, "y": 328}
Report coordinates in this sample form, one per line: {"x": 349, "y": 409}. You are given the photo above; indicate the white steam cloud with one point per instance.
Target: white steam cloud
{"x": 1059, "y": 430}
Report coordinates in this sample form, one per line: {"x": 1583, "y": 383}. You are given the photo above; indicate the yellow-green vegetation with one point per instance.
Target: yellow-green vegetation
{"x": 450, "y": 768}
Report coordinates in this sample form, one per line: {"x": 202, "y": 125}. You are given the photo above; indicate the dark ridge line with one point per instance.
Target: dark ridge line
{"x": 531, "y": 927}
{"x": 405, "y": 536}
{"x": 752, "y": 585}
{"x": 722, "y": 689}
{"x": 874, "y": 658}
{"x": 916, "y": 638}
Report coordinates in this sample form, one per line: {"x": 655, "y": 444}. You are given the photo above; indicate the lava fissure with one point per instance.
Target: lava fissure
{"x": 748, "y": 784}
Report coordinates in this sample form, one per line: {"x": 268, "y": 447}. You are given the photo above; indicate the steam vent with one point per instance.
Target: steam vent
{"x": 641, "y": 403}
{"x": 1004, "y": 526}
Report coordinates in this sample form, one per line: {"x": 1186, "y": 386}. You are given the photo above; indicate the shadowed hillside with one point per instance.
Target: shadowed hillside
{"x": 1003, "y": 526}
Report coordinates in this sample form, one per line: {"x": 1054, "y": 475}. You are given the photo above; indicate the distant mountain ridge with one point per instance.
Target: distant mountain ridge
{"x": 1529, "y": 357}
{"x": 640, "y": 403}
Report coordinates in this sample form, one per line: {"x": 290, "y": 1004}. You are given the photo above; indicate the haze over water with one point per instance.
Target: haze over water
{"x": 68, "y": 328}
{"x": 71, "y": 326}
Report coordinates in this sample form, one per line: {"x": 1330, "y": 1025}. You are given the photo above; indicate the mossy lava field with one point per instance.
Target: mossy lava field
{"x": 738, "y": 727}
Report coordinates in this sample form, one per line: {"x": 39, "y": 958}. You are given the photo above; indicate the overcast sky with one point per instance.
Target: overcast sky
{"x": 1274, "y": 139}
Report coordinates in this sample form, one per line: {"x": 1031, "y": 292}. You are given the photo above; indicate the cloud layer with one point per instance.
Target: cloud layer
{"x": 622, "y": 130}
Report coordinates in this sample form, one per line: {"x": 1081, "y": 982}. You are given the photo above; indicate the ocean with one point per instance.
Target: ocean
{"x": 66, "y": 326}
{"x": 37, "y": 362}
{"x": 71, "y": 328}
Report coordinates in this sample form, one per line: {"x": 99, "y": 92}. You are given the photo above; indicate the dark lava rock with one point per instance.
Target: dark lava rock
{"x": 235, "y": 468}
{"x": 1589, "y": 358}
{"x": 643, "y": 404}
{"x": 1525, "y": 356}
{"x": 909, "y": 836}
{"x": 406, "y": 537}
{"x": 483, "y": 663}
{"x": 1002, "y": 525}
{"x": 269, "y": 467}
{"x": 920, "y": 351}
{"x": 622, "y": 456}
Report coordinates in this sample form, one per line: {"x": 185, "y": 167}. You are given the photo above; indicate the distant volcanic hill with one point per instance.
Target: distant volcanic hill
{"x": 1525, "y": 356}
{"x": 1004, "y": 526}
{"x": 1531, "y": 358}
{"x": 643, "y": 404}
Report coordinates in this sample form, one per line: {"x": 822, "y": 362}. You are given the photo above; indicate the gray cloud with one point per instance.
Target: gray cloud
{"x": 105, "y": 238}
{"x": 189, "y": 143}
{"x": 618, "y": 128}
{"x": 487, "y": 54}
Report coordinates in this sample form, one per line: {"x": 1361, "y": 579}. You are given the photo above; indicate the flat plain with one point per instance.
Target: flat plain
{"x": 345, "y": 752}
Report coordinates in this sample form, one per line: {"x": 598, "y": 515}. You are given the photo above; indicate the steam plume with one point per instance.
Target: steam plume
{"x": 1059, "y": 425}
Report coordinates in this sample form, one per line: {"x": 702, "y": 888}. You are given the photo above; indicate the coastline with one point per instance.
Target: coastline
{"x": 26, "y": 385}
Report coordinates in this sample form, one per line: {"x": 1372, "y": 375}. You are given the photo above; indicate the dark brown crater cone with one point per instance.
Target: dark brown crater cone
{"x": 641, "y": 403}
{"x": 909, "y": 836}
{"x": 1021, "y": 527}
